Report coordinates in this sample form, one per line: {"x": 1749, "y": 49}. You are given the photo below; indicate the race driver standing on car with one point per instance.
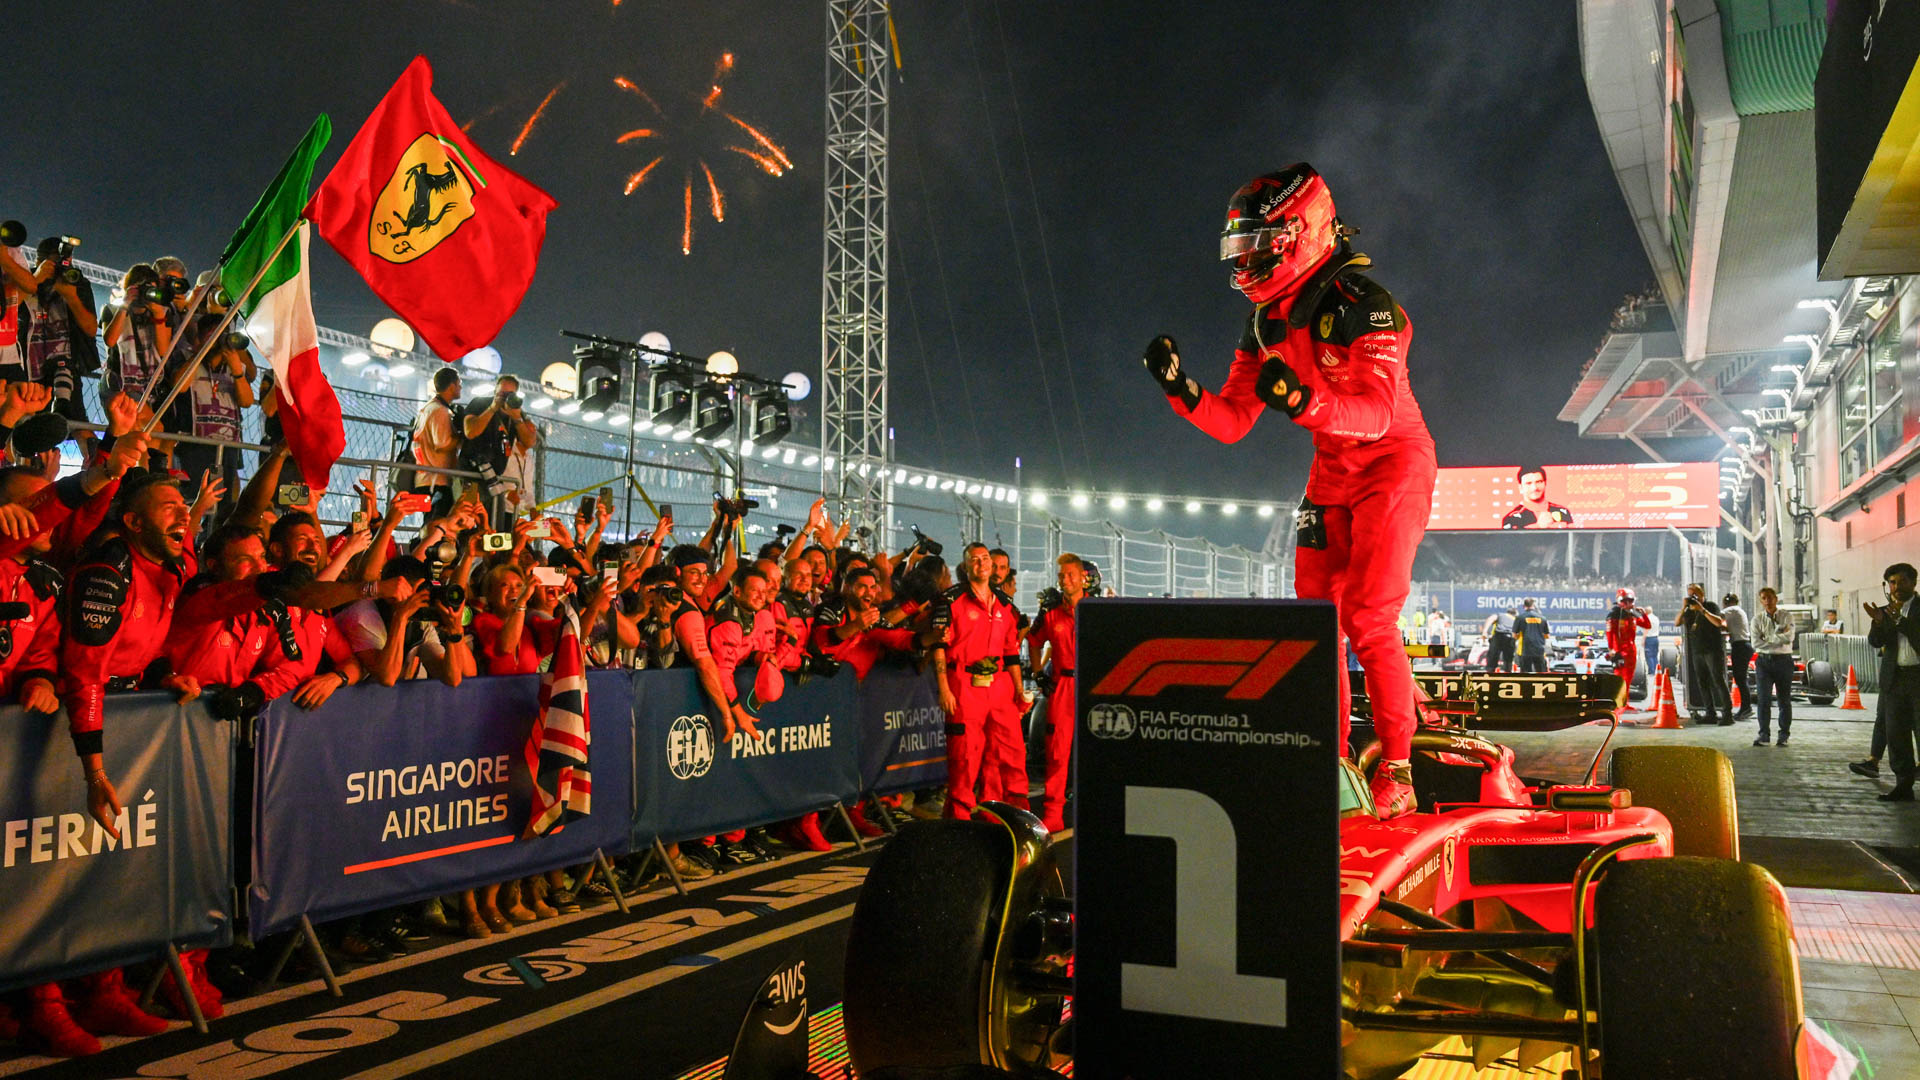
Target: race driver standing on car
{"x": 1328, "y": 347}
{"x": 1624, "y": 623}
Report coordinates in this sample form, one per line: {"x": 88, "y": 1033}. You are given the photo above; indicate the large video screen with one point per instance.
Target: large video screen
{"x": 1684, "y": 495}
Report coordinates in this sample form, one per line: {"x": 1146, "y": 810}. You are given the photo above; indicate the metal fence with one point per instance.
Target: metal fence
{"x": 380, "y": 404}
{"x": 1842, "y": 650}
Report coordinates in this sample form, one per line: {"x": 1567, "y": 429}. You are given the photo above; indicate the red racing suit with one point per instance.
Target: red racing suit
{"x": 119, "y": 609}
{"x": 1054, "y": 628}
{"x": 1623, "y": 640}
{"x": 1370, "y": 490}
{"x": 862, "y": 650}
{"x": 734, "y": 636}
{"x": 985, "y": 745}
{"x": 30, "y": 644}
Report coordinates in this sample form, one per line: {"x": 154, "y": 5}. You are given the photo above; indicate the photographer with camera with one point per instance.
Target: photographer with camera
{"x": 1703, "y": 638}
{"x": 406, "y": 627}
{"x": 436, "y": 440}
{"x": 138, "y": 336}
{"x": 210, "y": 407}
{"x": 58, "y": 324}
{"x": 495, "y": 430}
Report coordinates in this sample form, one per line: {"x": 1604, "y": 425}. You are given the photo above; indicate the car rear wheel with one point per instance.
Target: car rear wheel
{"x": 1696, "y": 972}
{"x": 1692, "y": 786}
{"x": 1822, "y": 685}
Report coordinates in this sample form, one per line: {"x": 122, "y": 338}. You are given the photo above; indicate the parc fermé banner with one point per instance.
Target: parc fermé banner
{"x": 903, "y": 732}
{"x": 1207, "y": 850}
{"x": 380, "y": 797}
{"x": 691, "y": 783}
{"x": 78, "y": 900}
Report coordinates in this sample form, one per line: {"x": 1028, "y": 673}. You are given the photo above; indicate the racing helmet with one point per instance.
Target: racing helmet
{"x": 1624, "y": 596}
{"x": 1280, "y": 228}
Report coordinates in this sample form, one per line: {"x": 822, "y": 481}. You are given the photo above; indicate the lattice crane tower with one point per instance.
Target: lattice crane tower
{"x": 853, "y": 315}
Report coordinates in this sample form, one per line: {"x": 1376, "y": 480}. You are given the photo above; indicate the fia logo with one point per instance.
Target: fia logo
{"x": 690, "y": 747}
{"x": 1110, "y": 721}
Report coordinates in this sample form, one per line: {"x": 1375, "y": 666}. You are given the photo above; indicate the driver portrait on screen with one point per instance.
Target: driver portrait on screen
{"x": 1534, "y": 510}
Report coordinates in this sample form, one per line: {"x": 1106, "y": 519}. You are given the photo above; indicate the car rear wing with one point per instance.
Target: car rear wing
{"x": 1486, "y": 702}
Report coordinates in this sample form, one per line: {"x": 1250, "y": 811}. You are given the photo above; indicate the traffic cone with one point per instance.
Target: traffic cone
{"x": 1734, "y": 689}
{"x": 1654, "y": 699}
{"x": 1669, "y": 717}
{"x": 1852, "y": 700}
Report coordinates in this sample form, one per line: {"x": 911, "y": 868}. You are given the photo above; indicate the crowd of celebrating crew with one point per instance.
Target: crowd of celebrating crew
{"x": 148, "y": 569}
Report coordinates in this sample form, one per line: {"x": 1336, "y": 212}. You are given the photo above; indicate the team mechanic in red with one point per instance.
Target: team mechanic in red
{"x": 1053, "y": 634}
{"x": 979, "y": 689}
{"x": 1624, "y": 622}
{"x": 1328, "y": 347}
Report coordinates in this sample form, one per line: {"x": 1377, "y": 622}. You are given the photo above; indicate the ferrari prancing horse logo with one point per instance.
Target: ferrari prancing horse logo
{"x": 1326, "y": 325}
{"x": 428, "y": 197}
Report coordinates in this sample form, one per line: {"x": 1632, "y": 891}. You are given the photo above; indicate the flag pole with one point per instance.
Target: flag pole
{"x": 219, "y": 332}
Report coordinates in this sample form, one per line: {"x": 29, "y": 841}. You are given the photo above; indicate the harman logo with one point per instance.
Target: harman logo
{"x": 690, "y": 747}
{"x": 1110, "y": 721}
{"x": 1247, "y": 667}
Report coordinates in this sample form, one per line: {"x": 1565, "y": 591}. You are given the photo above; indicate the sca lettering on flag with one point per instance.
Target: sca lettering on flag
{"x": 429, "y": 196}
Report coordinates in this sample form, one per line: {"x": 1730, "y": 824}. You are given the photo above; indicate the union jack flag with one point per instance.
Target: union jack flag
{"x": 557, "y": 746}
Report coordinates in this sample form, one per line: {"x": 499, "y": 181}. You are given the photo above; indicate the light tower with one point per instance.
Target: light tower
{"x": 853, "y": 294}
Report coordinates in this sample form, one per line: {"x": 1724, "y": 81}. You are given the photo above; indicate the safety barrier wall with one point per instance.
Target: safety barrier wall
{"x": 1841, "y": 650}
{"x": 73, "y": 898}
{"x": 386, "y": 796}
{"x": 383, "y": 796}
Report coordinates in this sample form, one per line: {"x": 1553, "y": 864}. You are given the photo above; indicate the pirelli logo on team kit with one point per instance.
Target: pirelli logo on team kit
{"x": 1248, "y": 667}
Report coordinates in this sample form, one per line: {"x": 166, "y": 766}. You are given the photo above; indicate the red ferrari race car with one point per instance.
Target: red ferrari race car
{"x": 1608, "y": 924}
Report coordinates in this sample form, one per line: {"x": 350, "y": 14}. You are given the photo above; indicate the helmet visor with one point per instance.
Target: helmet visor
{"x": 1275, "y": 240}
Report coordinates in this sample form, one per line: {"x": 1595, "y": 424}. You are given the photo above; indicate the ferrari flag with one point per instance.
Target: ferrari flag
{"x": 266, "y": 255}
{"x": 556, "y": 750}
{"x": 443, "y": 233}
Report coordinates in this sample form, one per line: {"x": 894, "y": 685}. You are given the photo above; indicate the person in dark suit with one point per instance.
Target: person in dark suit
{"x": 1895, "y": 630}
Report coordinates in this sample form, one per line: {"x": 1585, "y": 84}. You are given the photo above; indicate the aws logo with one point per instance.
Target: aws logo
{"x": 1248, "y": 667}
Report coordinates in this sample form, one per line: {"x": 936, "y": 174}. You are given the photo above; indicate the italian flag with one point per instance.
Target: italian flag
{"x": 265, "y": 269}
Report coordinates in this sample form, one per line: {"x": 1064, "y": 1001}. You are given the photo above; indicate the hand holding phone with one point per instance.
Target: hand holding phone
{"x": 549, "y": 577}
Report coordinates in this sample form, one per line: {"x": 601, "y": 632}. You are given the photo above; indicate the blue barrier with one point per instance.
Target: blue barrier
{"x": 380, "y": 797}
{"x": 385, "y": 796}
{"x": 691, "y": 783}
{"x": 903, "y": 732}
{"x": 72, "y": 898}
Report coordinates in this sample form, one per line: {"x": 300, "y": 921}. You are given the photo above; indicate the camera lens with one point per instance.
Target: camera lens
{"x": 12, "y": 234}
{"x": 449, "y": 595}
{"x": 237, "y": 341}
{"x": 511, "y": 400}
{"x": 71, "y": 275}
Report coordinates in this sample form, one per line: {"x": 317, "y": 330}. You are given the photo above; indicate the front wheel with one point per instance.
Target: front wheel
{"x": 1692, "y": 786}
{"x": 1697, "y": 975}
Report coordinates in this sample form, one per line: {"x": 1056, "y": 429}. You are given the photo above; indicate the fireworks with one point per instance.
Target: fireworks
{"x": 640, "y": 177}
{"x": 693, "y": 133}
{"x": 538, "y": 112}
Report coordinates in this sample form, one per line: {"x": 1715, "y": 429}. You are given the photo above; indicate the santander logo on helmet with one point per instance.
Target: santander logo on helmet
{"x": 1280, "y": 229}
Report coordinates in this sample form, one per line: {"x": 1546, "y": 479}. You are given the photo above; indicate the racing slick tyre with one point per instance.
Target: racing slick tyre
{"x": 1670, "y": 660}
{"x": 1696, "y": 972}
{"x": 1638, "y": 690}
{"x": 1822, "y": 686}
{"x": 1692, "y": 786}
{"x": 946, "y": 923}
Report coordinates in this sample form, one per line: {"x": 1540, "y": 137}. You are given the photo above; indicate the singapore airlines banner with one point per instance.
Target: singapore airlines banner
{"x": 1653, "y": 495}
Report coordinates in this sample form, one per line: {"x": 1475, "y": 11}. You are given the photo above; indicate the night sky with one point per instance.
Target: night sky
{"x": 1084, "y": 151}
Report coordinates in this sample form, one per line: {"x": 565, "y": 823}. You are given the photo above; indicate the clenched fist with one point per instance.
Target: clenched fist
{"x": 1162, "y": 359}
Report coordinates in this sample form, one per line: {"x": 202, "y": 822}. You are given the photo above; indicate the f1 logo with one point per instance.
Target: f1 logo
{"x": 1247, "y": 667}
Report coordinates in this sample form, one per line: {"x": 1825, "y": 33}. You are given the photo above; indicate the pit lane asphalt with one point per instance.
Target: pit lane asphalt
{"x": 1803, "y": 816}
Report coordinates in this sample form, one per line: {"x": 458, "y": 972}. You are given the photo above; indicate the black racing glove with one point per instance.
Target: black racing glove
{"x": 234, "y": 702}
{"x": 1281, "y": 389}
{"x": 1163, "y": 363}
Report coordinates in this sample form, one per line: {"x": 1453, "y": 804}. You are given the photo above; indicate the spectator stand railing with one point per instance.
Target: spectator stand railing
{"x": 573, "y": 454}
